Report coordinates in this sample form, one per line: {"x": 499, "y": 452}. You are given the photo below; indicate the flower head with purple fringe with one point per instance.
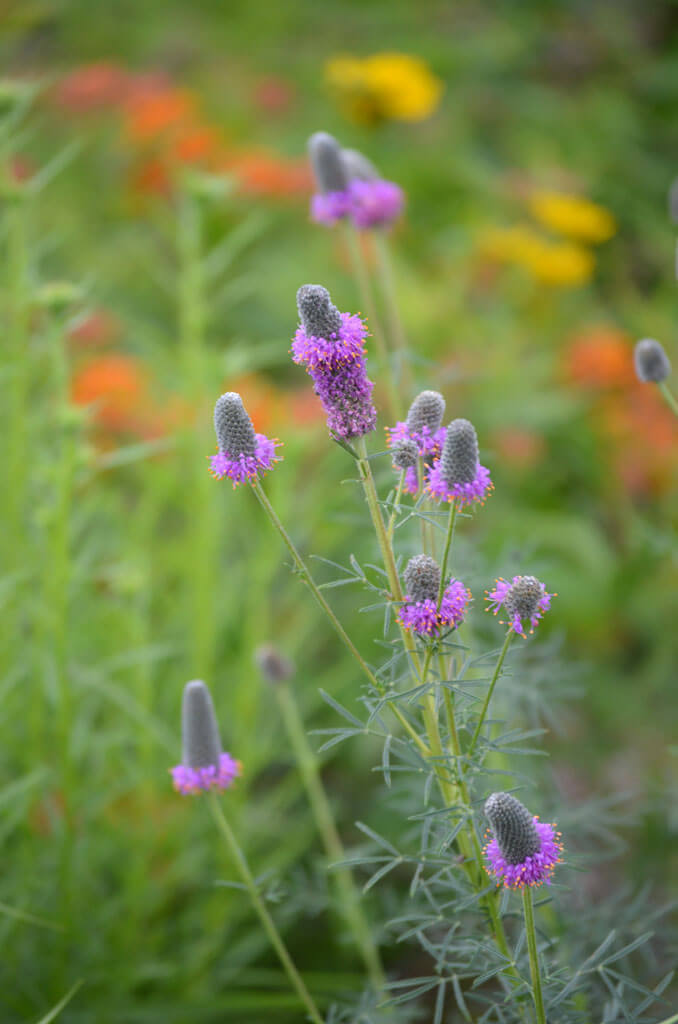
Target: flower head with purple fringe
{"x": 429, "y": 445}
{"x": 426, "y": 618}
{"x": 190, "y": 781}
{"x": 242, "y": 455}
{"x": 525, "y": 597}
{"x": 457, "y": 475}
{"x": 204, "y": 766}
{"x": 331, "y": 346}
{"x": 375, "y": 203}
{"x": 520, "y": 851}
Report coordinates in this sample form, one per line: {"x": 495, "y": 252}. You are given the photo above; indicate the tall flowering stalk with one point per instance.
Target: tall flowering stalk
{"x": 205, "y": 768}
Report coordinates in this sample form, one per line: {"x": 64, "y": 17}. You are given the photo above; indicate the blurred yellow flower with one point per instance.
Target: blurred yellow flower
{"x": 385, "y": 86}
{"x": 573, "y": 216}
{"x": 563, "y": 264}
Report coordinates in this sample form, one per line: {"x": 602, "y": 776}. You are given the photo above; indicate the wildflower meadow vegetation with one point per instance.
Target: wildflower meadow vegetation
{"x": 338, "y": 577}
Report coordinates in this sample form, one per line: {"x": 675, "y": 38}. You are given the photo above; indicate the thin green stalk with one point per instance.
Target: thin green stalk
{"x": 238, "y": 856}
{"x": 349, "y": 897}
{"x": 670, "y": 398}
{"x": 446, "y": 552}
{"x": 387, "y": 279}
{"x": 467, "y": 841}
{"x": 396, "y": 506}
{"x": 472, "y": 857}
{"x": 362, "y": 277}
{"x": 533, "y": 954}
{"x": 343, "y": 635}
{"x": 16, "y": 340}
{"x": 488, "y": 698}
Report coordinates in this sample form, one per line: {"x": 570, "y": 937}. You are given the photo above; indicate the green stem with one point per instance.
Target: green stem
{"x": 488, "y": 698}
{"x": 670, "y": 398}
{"x": 349, "y": 897}
{"x": 446, "y": 552}
{"x": 362, "y": 277}
{"x": 17, "y": 339}
{"x": 533, "y": 954}
{"x": 238, "y": 856}
{"x": 386, "y": 276}
{"x": 469, "y": 845}
{"x": 396, "y": 507}
{"x": 343, "y": 635}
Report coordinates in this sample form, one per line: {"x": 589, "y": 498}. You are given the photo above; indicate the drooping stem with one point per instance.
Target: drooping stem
{"x": 488, "y": 698}
{"x": 295, "y": 979}
{"x": 349, "y": 897}
{"x": 387, "y": 279}
{"x": 669, "y": 396}
{"x": 362, "y": 277}
{"x": 533, "y": 953}
{"x": 305, "y": 574}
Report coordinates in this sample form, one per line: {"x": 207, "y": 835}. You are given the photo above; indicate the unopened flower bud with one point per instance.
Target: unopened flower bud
{"x": 651, "y": 361}
{"x": 201, "y": 744}
{"x": 459, "y": 457}
{"x": 513, "y": 827}
{"x": 427, "y": 410}
{"x": 422, "y": 579}
{"x": 405, "y": 454}
{"x": 234, "y": 430}
{"x": 358, "y": 166}
{"x": 328, "y": 167}
{"x": 273, "y": 665}
{"x": 319, "y": 317}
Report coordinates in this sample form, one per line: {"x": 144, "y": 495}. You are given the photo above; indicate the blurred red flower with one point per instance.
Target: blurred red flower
{"x": 92, "y": 87}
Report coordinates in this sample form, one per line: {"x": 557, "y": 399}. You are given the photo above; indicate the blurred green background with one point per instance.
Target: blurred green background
{"x": 127, "y": 571}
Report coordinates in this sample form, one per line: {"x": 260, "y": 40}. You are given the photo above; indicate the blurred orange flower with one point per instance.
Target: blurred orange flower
{"x": 630, "y": 416}
{"x": 153, "y": 114}
{"x": 118, "y": 385}
{"x": 601, "y": 357}
{"x": 262, "y": 173}
{"x": 91, "y": 87}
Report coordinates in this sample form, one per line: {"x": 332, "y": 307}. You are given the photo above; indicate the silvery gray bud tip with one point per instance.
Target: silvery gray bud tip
{"x": 422, "y": 579}
{"x": 673, "y": 201}
{"x": 358, "y": 166}
{"x": 523, "y": 597}
{"x": 405, "y": 454}
{"x": 513, "y": 827}
{"x": 328, "y": 166}
{"x": 427, "y": 410}
{"x": 651, "y": 361}
{"x": 234, "y": 430}
{"x": 273, "y": 665}
{"x": 459, "y": 457}
{"x": 199, "y": 729}
{"x": 319, "y": 317}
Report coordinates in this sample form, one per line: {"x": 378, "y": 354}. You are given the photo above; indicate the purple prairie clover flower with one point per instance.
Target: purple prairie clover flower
{"x": 457, "y": 475}
{"x": 421, "y": 427}
{"x": 419, "y": 611}
{"x": 332, "y": 201}
{"x": 520, "y": 850}
{"x": 242, "y": 454}
{"x": 525, "y": 597}
{"x": 204, "y": 766}
{"x": 331, "y": 345}
{"x": 375, "y": 204}
{"x": 374, "y": 201}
